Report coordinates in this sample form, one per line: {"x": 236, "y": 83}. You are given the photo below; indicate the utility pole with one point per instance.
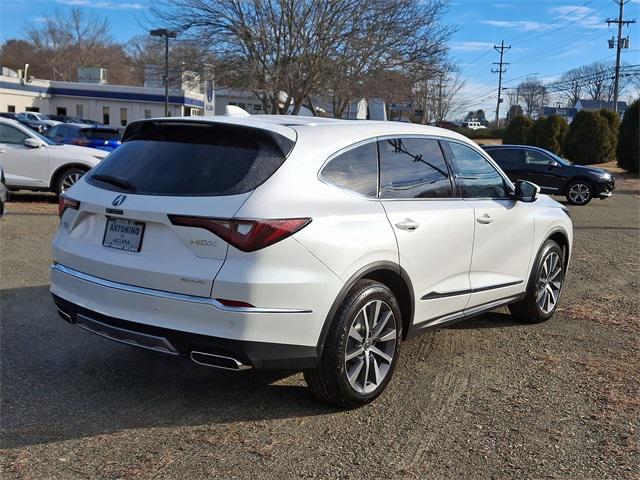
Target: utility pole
{"x": 167, "y": 34}
{"x": 619, "y": 44}
{"x": 500, "y": 49}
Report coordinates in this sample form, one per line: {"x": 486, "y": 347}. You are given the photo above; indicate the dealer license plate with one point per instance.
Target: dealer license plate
{"x": 123, "y": 234}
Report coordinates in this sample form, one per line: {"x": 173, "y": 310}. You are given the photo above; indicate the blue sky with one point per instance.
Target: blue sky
{"x": 547, "y": 37}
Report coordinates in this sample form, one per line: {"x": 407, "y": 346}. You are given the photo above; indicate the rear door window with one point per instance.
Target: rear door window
{"x": 413, "y": 168}
{"x": 355, "y": 170}
{"x": 193, "y": 159}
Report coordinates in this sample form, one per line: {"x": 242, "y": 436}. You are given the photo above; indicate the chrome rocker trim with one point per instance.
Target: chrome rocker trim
{"x": 181, "y": 297}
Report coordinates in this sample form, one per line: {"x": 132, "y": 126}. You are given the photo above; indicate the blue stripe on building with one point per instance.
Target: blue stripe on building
{"x": 71, "y": 92}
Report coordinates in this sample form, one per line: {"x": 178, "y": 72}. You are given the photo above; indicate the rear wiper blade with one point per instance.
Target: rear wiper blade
{"x": 113, "y": 180}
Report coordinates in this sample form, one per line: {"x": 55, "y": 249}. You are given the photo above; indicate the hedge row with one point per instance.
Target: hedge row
{"x": 592, "y": 137}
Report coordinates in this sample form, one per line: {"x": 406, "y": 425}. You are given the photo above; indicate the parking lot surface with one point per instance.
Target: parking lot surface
{"x": 484, "y": 399}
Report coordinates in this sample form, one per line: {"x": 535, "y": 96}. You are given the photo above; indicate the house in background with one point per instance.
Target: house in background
{"x": 584, "y": 104}
{"x": 566, "y": 113}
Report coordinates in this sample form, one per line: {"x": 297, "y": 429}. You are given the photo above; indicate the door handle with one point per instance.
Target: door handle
{"x": 484, "y": 219}
{"x": 407, "y": 224}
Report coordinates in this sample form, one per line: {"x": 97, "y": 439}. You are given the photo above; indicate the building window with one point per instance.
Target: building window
{"x": 11, "y": 108}
{"x": 79, "y": 112}
{"x": 147, "y": 113}
{"x": 105, "y": 115}
{"x": 123, "y": 117}
{"x": 61, "y": 110}
{"x": 32, "y": 109}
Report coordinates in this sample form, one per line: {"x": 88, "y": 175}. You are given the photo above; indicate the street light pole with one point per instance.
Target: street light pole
{"x": 167, "y": 34}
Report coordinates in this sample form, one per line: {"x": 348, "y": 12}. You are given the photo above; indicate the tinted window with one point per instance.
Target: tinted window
{"x": 476, "y": 177}
{"x": 100, "y": 133}
{"x": 179, "y": 158}
{"x": 12, "y": 135}
{"x": 355, "y": 170}
{"x": 413, "y": 168}
{"x": 508, "y": 158}
{"x": 537, "y": 158}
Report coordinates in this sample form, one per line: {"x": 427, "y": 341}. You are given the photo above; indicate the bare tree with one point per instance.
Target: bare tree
{"x": 70, "y": 41}
{"x": 573, "y": 90}
{"x": 440, "y": 96}
{"x": 63, "y": 42}
{"x": 396, "y": 35}
{"x": 287, "y": 50}
{"x": 533, "y": 95}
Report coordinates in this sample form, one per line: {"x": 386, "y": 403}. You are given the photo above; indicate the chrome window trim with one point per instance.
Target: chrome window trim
{"x": 181, "y": 297}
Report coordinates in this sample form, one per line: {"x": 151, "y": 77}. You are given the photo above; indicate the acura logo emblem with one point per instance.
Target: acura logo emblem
{"x": 119, "y": 200}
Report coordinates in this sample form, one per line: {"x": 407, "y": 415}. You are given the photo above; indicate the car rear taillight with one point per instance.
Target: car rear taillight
{"x": 65, "y": 202}
{"x": 245, "y": 235}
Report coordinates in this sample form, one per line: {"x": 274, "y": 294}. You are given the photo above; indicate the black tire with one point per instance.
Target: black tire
{"x": 579, "y": 192}
{"x": 61, "y": 183}
{"x": 328, "y": 381}
{"x": 530, "y": 310}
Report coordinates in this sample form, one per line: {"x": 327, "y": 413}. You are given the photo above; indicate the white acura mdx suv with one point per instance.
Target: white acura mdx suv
{"x": 301, "y": 243}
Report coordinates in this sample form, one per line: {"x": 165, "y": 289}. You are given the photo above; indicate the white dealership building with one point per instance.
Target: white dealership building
{"x": 117, "y": 105}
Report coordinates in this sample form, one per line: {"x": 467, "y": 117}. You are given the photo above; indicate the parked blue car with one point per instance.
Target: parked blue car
{"x": 93, "y": 136}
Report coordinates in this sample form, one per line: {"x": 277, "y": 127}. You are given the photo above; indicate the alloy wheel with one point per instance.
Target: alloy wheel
{"x": 370, "y": 346}
{"x": 579, "y": 193}
{"x": 69, "y": 180}
{"x": 549, "y": 283}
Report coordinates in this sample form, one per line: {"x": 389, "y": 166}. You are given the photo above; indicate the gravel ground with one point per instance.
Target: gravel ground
{"x": 485, "y": 399}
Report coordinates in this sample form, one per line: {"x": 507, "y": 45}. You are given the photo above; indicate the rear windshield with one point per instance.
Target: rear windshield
{"x": 192, "y": 159}
{"x": 101, "y": 134}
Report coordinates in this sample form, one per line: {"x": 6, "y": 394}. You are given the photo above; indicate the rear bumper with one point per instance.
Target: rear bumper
{"x": 175, "y": 342}
{"x": 260, "y": 338}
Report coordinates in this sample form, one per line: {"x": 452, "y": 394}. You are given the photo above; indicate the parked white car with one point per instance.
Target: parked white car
{"x": 34, "y": 162}
{"x": 305, "y": 243}
{"x": 38, "y": 117}
{"x": 473, "y": 125}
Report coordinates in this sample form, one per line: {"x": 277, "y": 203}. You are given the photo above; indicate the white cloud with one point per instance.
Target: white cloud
{"x": 524, "y": 25}
{"x": 580, "y": 15}
{"x": 470, "y": 46}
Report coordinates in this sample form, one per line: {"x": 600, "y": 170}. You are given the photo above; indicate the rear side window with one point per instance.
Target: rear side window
{"x": 507, "y": 158}
{"x": 475, "y": 176}
{"x": 100, "y": 134}
{"x": 193, "y": 159}
{"x": 413, "y": 168}
{"x": 355, "y": 170}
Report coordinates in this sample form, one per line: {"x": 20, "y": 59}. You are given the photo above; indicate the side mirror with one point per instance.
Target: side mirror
{"x": 33, "y": 143}
{"x": 526, "y": 191}
{"x": 553, "y": 164}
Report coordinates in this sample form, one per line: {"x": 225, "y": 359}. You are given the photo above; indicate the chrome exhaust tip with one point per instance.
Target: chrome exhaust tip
{"x": 218, "y": 361}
